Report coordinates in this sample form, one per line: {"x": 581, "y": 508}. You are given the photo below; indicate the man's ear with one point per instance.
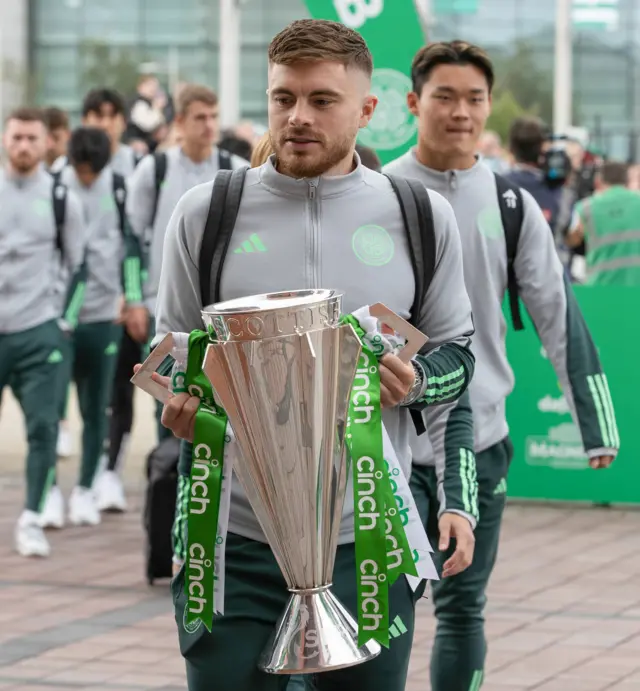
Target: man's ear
{"x": 412, "y": 102}
{"x": 368, "y": 109}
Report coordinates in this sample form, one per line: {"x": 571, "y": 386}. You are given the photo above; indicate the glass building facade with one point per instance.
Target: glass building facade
{"x": 78, "y": 43}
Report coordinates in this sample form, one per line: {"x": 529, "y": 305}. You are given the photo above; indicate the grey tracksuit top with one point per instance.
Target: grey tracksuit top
{"x": 182, "y": 174}
{"x": 548, "y": 299}
{"x": 106, "y": 250}
{"x": 309, "y": 233}
{"x": 30, "y": 262}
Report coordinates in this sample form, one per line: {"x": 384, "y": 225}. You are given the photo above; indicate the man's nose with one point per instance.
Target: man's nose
{"x": 301, "y": 115}
{"x": 461, "y": 110}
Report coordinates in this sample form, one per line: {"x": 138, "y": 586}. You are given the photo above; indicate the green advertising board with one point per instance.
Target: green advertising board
{"x": 393, "y": 33}
{"x": 549, "y": 462}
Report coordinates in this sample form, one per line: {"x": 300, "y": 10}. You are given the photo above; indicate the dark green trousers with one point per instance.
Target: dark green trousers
{"x": 31, "y": 361}
{"x": 460, "y": 648}
{"x": 255, "y": 597}
{"x": 91, "y": 357}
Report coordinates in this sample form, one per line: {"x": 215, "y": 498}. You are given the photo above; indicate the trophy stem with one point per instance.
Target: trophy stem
{"x": 315, "y": 634}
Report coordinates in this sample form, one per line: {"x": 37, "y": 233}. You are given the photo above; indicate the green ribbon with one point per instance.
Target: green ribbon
{"x": 382, "y": 547}
{"x": 205, "y": 487}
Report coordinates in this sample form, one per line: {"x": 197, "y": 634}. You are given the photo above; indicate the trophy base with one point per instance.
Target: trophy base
{"x": 315, "y": 634}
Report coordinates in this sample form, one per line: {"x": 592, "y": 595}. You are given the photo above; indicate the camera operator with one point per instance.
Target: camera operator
{"x": 541, "y": 165}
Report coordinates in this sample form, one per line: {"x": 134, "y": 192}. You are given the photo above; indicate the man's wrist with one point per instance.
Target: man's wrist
{"x": 419, "y": 386}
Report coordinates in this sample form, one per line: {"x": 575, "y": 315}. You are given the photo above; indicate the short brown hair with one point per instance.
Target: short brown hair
{"x": 526, "y": 137}
{"x": 316, "y": 40}
{"x": 27, "y": 114}
{"x": 195, "y": 93}
{"x": 614, "y": 173}
{"x": 55, "y": 119}
{"x": 449, "y": 53}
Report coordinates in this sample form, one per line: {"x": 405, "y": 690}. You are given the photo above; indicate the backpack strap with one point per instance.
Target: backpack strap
{"x": 59, "y": 201}
{"x": 224, "y": 160}
{"x": 137, "y": 157}
{"x": 160, "y": 161}
{"x": 512, "y": 214}
{"x": 223, "y": 211}
{"x": 417, "y": 215}
{"x": 120, "y": 198}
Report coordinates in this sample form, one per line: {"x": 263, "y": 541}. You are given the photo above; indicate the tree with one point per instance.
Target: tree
{"x": 527, "y": 74}
{"x": 504, "y": 111}
{"x": 108, "y": 66}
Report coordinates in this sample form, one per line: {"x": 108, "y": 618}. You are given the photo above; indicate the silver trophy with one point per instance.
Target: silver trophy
{"x": 282, "y": 369}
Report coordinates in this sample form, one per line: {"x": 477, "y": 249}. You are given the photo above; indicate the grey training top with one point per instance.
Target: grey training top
{"x": 30, "y": 263}
{"x": 344, "y": 233}
{"x": 105, "y": 246}
{"x": 182, "y": 174}
{"x": 544, "y": 290}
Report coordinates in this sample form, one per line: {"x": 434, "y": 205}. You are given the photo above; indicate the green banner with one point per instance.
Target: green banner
{"x": 206, "y": 485}
{"x": 549, "y": 461}
{"x": 393, "y": 33}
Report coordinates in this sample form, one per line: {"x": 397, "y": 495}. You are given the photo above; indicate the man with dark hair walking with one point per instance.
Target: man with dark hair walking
{"x": 113, "y": 268}
{"x": 506, "y": 243}
{"x": 106, "y": 110}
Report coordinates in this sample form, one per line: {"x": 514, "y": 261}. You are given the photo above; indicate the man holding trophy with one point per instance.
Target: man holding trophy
{"x": 281, "y": 365}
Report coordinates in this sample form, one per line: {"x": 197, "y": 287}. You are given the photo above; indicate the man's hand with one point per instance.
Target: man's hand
{"x": 396, "y": 380}
{"x": 454, "y": 525}
{"x": 136, "y": 320}
{"x": 598, "y": 462}
{"x": 179, "y": 413}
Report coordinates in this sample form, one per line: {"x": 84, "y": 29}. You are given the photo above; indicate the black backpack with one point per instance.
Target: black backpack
{"x": 226, "y": 195}
{"x": 159, "y": 508}
{"x": 59, "y": 193}
{"x": 160, "y": 163}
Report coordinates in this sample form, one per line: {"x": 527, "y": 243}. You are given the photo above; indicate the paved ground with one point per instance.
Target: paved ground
{"x": 564, "y": 612}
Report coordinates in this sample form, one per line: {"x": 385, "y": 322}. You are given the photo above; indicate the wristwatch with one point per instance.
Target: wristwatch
{"x": 417, "y": 389}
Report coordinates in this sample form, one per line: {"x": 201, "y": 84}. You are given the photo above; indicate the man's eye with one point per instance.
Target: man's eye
{"x": 323, "y": 102}
{"x": 281, "y": 100}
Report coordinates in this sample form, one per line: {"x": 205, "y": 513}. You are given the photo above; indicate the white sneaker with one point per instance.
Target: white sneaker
{"x": 83, "y": 509}
{"x": 30, "y": 540}
{"x": 110, "y": 492}
{"x": 52, "y": 515}
{"x": 64, "y": 446}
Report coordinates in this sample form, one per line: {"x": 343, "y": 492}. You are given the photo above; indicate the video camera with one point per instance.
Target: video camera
{"x": 555, "y": 162}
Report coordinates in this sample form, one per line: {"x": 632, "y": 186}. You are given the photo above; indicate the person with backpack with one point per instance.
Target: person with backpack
{"x": 154, "y": 190}
{"x": 106, "y": 110}
{"x": 41, "y": 229}
{"x": 507, "y": 248}
{"x": 313, "y": 216}
{"x": 112, "y": 263}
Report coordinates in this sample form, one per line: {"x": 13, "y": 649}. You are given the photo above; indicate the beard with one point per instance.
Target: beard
{"x": 311, "y": 164}
{"x": 23, "y": 164}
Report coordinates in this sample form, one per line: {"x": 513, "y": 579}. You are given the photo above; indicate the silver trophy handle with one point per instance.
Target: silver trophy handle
{"x": 143, "y": 377}
{"x": 415, "y": 339}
